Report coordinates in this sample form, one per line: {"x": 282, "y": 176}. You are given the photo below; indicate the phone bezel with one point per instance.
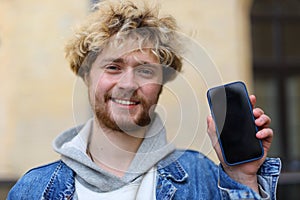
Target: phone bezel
{"x": 219, "y": 139}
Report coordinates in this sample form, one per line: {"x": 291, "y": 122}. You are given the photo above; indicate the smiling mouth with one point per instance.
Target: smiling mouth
{"x": 125, "y": 102}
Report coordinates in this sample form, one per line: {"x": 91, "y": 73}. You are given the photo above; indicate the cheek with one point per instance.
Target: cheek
{"x": 100, "y": 85}
{"x": 151, "y": 91}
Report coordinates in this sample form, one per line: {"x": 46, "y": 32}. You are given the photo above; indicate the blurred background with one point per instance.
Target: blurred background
{"x": 256, "y": 41}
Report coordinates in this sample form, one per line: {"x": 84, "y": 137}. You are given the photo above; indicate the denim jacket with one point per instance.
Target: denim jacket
{"x": 190, "y": 175}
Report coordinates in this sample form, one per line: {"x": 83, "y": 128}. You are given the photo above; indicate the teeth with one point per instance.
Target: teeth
{"x": 124, "y": 102}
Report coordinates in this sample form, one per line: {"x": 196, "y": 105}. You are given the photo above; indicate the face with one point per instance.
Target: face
{"x": 124, "y": 89}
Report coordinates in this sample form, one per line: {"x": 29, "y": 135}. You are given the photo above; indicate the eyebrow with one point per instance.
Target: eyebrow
{"x": 122, "y": 60}
{"x": 106, "y": 61}
{"x": 117, "y": 60}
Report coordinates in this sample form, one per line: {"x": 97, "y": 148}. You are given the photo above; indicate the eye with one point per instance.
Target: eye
{"x": 112, "y": 68}
{"x": 146, "y": 72}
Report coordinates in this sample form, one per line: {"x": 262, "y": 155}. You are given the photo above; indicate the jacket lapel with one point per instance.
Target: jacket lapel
{"x": 169, "y": 171}
{"x": 61, "y": 185}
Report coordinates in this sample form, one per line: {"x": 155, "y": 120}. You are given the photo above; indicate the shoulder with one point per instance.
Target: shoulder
{"x": 190, "y": 153}
{"x": 34, "y": 182}
{"x": 188, "y": 156}
{"x": 190, "y": 160}
{"x": 45, "y": 171}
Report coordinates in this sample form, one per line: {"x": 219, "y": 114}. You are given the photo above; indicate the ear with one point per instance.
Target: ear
{"x": 161, "y": 89}
{"x": 86, "y": 79}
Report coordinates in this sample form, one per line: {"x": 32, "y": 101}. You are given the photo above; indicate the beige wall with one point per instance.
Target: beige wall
{"x": 37, "y": 88}
{"x": 36, "y": 84}
{"x": 222, "y": 30}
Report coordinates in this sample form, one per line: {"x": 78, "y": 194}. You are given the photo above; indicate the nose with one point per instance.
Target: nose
{"x": 128, "y": 81}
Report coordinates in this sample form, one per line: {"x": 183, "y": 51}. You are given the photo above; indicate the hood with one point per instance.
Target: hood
{"x": 72, "y": 145}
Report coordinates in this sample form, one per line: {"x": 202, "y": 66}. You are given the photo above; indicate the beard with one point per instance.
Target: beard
{"x": 124, "y": 120}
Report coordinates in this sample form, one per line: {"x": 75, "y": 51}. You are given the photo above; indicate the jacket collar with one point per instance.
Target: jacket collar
{"x": 61, "y": 184}
{"x": 170, "y": 172}
{"x": 171, "y": 168}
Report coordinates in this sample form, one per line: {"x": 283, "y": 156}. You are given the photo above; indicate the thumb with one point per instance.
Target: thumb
{"x": 211, "y": 130}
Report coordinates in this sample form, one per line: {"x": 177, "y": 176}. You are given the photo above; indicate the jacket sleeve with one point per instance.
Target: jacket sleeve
{"x": 267, "y": 179}
{"x": 33, "y": 183}
{"x": 28, "y": 187}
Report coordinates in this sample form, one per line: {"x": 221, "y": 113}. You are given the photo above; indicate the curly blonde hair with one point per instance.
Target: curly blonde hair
{"x": 123, "y": 19}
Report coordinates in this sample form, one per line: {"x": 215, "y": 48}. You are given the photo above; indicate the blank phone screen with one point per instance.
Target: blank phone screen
{"x": 232, "y": 113}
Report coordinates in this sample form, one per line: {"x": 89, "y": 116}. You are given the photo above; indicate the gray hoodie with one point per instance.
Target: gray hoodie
{"x": 72, "y": 145}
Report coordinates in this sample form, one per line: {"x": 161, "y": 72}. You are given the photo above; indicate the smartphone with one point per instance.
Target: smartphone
{"x": 235, "y": 124}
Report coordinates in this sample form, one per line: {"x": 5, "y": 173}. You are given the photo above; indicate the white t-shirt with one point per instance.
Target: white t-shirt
{"x": 138, "y": 190}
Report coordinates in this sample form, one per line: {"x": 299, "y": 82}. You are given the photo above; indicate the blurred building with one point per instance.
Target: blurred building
{"x": 275, "y": 26}
{"x": 254, "y": 41}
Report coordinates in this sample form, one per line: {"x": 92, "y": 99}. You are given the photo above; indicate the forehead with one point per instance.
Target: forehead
{"x": 139, "y": 56}
{"x": 127, "y": 52}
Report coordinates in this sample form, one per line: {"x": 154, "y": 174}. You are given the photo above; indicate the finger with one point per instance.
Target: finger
{"x": 210, "y": 125}
{"x": 252, "y": 100}
{"x": 265, "y": 133}
{"x": 211, "y": 130}
{"x": 257, "y": 112}
{"x": 263, "y": 121}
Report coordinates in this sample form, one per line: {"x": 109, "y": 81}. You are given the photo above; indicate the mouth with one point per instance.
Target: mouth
{"x": 125, "y": 102}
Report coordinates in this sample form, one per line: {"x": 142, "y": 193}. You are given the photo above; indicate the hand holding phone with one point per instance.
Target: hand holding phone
{"x": 232, "y": 112}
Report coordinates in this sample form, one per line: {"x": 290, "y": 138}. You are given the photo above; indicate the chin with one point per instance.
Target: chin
{"x": 118, "y": 123}
{"x": 133, "y": 124}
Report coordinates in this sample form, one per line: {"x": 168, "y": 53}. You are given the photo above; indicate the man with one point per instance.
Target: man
{"x": 125, "y": 53}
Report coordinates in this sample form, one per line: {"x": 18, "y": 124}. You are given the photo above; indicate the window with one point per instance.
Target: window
{"x": 276, "y": 65}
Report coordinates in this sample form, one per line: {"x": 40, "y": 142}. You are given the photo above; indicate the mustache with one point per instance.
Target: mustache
{"x": 132, "y": 96}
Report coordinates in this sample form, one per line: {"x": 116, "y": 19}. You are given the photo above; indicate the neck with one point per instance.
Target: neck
{"x": 112, "y": 150}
